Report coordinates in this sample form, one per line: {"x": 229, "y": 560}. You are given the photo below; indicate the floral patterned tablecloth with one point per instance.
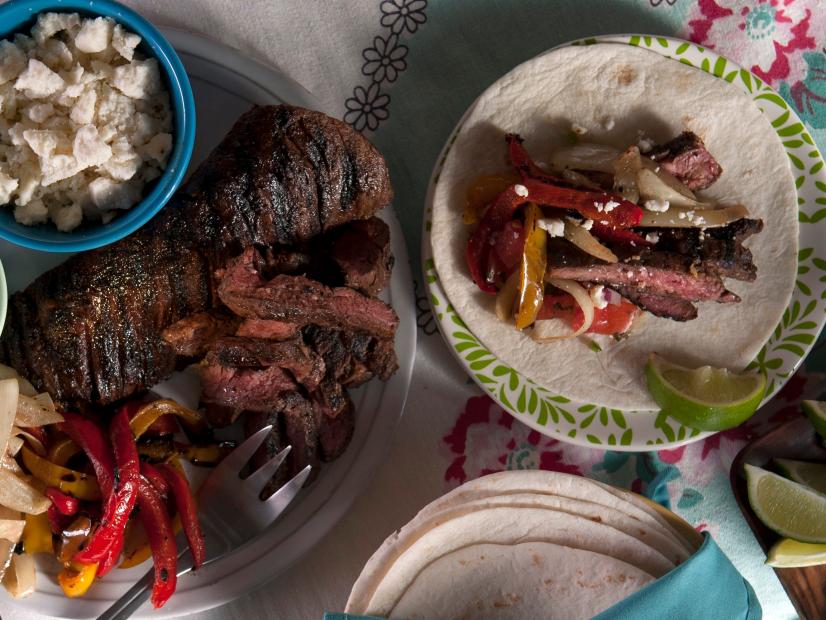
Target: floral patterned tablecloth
{"x": 403, "y": 71}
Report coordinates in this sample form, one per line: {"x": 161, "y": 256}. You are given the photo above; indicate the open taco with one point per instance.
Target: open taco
{"x": 671, "y": 204}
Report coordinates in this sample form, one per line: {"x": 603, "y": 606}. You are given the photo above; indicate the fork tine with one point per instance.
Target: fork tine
{"x": 261, "y": 476}
{"x": 279, "y": 500}
{"x": 234, "y": 461}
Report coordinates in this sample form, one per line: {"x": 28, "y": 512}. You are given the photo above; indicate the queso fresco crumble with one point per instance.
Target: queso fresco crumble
{"x": 85, "y": 121}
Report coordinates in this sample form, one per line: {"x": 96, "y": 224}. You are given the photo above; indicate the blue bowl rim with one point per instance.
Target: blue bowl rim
{"x": 183, "y": 103}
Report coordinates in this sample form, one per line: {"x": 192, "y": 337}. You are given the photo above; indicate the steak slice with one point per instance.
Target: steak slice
{"x": 194, "y": 335}
{"x": 361, "y": 250}
{"x": 304, "y": 365}
{"x": 335, "y": 433}
{"x": 272, "y": 330}
{"x": 717, "y": 250}
{"x": 352, "y": 358}
{"x": 661, "y": 273}
{"x": 665, "y": 306}
{"x": 301, "y": 301}
{"x": 245, "y": 389}
{"x": 687, "y": 159}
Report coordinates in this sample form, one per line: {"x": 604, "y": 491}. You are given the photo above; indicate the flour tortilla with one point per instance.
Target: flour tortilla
{"x": 528, "y": 580}
{"x": 566, "y": 485}
{"x": 637, "y": 90}
{"x": 507, "y": 526}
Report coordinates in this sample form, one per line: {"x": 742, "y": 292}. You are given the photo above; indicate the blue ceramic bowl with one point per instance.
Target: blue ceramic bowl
{"x": 20, "y": 16}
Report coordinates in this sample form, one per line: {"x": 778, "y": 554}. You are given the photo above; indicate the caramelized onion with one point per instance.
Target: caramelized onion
{"x": 707, "y": 218}
{"x": 657, "y": 186}
{"x": 626, "y": 169}
{"x": 586, "y": 156}
{"x": 586, "y": 242}
{"x": 36, "y": 411}
{"x": 506, "y": 298}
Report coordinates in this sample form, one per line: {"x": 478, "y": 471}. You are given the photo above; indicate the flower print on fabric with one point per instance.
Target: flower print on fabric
{"x": 486, "y": 439}
{"x": 401, "y": 15}
{"x": 385, "y": 60}
{"x": 766, "y": 36}
{"x": 809, "y": 95}
{"x": 366, "y": 107}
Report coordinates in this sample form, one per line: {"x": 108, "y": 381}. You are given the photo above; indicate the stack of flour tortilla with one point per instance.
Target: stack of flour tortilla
{"x": 522, "y": 544}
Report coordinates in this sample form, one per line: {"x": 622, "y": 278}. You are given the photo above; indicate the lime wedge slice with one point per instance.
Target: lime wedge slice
{"x": 707, "y": 398}
{"x": 788, "y": 553}
{"x": 813, "y": 475}
{"x": 790, "y": 509}
{"x": 816, "y": 412}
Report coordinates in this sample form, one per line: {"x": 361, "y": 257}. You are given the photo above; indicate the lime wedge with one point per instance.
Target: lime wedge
{"x": 787, "y": 553}
{"x": 707, "y": 398}
{"x": 790, "y": 509}
{"x": 816, "y": 411}
{"x": 813, "y": 475}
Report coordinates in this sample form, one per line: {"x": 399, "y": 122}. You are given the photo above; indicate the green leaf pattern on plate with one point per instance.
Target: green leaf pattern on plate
{"x": 591, "y": 425}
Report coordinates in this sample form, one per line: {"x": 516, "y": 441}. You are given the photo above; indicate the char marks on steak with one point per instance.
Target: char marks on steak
{"x": 301, "y": 301}
{"x": 664, "y": 306}
{"x": 687, "y": 159}
{"x": 91, "y": 331}
{"x": 194, "y": 335}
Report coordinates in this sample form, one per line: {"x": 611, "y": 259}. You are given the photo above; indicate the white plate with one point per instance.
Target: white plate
{"x": 225, "y": 85}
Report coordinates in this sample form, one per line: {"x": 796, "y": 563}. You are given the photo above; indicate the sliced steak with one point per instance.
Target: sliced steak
{"x": 245, "y": 389}
{"x": 661, "y": 273}
{"x": 687, "y": 159}
{"x": 301, "y": 430}
{"x": 292, "y": 355}
{"x": 272, "y": 330}
{"x": 335, "y": 433}
{"x": 352, "y": 358}
{"x": 330, "y": 398}
{"x": 715, "y": 250}
{"x": 193, "y": 336}
{"x": 361, "y": 250}
{"x": 664, "y": 306}
{"x": 302, "y": 301}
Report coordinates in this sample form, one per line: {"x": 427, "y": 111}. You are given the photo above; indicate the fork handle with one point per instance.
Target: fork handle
{"x": 137, "y": 595}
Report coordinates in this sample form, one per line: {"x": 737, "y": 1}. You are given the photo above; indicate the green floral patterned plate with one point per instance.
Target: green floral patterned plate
{"x": 588, "y": 424}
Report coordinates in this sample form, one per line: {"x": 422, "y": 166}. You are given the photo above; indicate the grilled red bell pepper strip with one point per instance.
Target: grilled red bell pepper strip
{"x": 57, "y": 521}
{"x": 91, "y": 439}
{"x": 188, "y": 511}
{"x": 65, "y": 504}
{"x": 590, "y": 204}
{"x": 151, "y": 473}
{"x": 622, "y": 236}
{"x": 523, "y": 163}
{"x": 107, "y": 541}
{"x": 158, "y": 526}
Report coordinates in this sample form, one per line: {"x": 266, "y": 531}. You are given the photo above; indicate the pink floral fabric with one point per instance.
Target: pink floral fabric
{"x": 768, "y": 36}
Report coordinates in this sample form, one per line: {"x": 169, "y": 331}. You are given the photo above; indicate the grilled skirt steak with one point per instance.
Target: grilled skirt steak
{"x": 91, "y": 330}
{"x": 687, "y": 159}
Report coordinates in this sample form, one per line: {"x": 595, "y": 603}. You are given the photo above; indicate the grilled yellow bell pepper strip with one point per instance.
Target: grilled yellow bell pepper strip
{"x": 76, "y": 580}
{"x": 62, "y": 450}
{"x": 150, "y": 412}
{"x": 74, "y": 483}
{"x": 532, "y": 269}
{"x": 37, "y": 534}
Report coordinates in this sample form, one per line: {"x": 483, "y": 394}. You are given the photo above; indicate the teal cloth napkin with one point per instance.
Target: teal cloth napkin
{"x": 705, "y": 586}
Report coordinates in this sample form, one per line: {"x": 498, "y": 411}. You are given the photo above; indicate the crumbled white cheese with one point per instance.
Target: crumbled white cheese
{"x": 657, "y": 205}
{"x": 644, "y": 144}
{"x": 652, "y": 237}
{"x": 611, "y": 205}
{"x": 599, "y": 206}
{"x": 80, "y": 108}
{"x": 608, "y": 124}
{"x": 682, "y": 215}
{"x": 597, "y": 294}
{"x": 38, "y": 81}
{"x": 554, "y": 226}
{"x": 587, "y": 224}
{"x": 579, "y": 129}
{"x": 521, "y": 190}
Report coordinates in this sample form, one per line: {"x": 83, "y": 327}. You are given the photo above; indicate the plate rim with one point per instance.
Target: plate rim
{"x": 538, "y": 403}
{"x": 390, "y": 402}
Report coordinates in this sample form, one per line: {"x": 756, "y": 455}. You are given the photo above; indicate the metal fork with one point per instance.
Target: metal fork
{"x": 231, "y": 513}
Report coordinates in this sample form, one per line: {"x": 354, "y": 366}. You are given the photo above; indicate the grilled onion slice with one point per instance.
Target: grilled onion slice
{"x": 663, "y": 186}
{"x": 506, "y": 298}
{"x": 586, "y": 156}
{"x": 586, "y": 242}
{"x": 707, "y": 218}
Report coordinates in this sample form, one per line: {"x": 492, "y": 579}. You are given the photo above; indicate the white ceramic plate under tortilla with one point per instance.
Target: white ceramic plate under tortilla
{"x": 588, "y": 424}
{"x": 226, "y": 84}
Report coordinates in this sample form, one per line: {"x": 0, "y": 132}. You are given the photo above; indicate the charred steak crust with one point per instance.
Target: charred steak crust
{"x": 687, "y": 158}
{"x": 101, "y": 327}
